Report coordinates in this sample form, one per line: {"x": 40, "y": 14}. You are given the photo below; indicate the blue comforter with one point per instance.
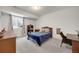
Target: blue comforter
{"x": 40, "y": 36}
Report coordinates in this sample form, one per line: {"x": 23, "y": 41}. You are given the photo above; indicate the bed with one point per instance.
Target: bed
{"x": 41, "y": 37}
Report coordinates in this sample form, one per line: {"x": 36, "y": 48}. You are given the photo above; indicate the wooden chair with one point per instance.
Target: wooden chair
{"x": 65, "y": 40}
{"x": 30, "y": 28}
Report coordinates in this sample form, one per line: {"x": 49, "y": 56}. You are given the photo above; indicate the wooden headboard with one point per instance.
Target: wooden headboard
{"x": 46, "y": 27}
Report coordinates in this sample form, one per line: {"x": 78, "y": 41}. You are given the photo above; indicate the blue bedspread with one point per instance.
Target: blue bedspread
{"x": 38, "y": 33}
{"x": 40, "y": 36}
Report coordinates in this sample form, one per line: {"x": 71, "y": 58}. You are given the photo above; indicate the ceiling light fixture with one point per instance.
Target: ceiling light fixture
{"x": 36, "y": 7}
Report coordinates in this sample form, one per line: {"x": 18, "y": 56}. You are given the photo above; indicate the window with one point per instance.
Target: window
{"x": 17, "y": 21}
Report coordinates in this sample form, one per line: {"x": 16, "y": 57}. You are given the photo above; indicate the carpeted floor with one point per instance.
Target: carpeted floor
{"x": 51, "y": 46}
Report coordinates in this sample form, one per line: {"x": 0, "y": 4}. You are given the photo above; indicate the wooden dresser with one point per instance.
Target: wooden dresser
{"x": 75, "y": 42}
{"x": 8, "y": 42}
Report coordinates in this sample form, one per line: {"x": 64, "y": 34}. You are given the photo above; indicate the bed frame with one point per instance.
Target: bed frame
{"x": 50, "y": 29}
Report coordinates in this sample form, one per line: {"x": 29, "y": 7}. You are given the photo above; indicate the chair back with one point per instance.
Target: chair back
{"x": 62, "y": 35}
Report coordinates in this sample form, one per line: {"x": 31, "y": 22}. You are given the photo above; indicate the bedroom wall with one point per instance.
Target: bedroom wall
{"x": 4, "y": 21}
{"x": 67, "y": 20}
{"x": 0, "y": 25}
{"x": 0, "y": 21}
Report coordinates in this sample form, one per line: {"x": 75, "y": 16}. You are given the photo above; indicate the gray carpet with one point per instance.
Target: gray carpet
{"x": 51, "y": 46}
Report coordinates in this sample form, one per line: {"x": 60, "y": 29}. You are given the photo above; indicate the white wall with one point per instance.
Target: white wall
{"x": 0, "y": 26}
{"x": 4, "y": 21}
{"x": 0, "y": 20}
{"x": 67, "y": 20}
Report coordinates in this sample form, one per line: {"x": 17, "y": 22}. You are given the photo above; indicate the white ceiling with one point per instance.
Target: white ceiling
{"x": 44, "y": 10}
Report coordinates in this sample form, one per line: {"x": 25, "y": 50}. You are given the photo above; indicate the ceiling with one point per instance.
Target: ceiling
{"x": 44, "y": 9}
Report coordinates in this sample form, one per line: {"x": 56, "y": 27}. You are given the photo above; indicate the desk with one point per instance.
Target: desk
{"x": 8, "y": 42}
{"x": 75, "y": 42}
